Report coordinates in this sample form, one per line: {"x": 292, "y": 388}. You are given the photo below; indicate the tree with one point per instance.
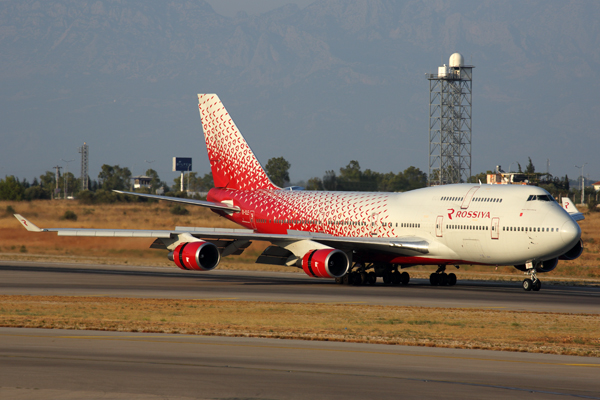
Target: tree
{"x": 206, "y": 182}
{"x": 69, "y": 182}
{"x": 278, "y": 171}
{"x": 566, "y": 184}
{"x": 11, "y": 189}
{"x": 351, "y": 173}
{"x": 330, "y": 180}
{"x": 530, "y": 169}
{"x": 154, "y": 179}
{"x": 113, "y": 177}
{"x": 48, "y": 180}
{"x": 415, "y": 177}
{"x": 314, "y": 184}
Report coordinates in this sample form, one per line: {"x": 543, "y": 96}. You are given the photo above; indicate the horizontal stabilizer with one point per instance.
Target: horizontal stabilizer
{"x": 193, "y": 202}
{"x": 570, "y": 208}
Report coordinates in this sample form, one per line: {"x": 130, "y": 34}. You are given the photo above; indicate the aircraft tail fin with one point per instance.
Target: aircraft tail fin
{"x": 570, "y": 208}
{"x": 232, "y": 162}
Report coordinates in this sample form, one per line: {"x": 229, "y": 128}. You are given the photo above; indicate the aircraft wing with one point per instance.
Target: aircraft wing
{"x": 400, "y": 245}
{"x": 193, "y": 202}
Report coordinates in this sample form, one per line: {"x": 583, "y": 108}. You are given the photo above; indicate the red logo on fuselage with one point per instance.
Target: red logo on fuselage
{"x": 450, "y": 212}
{"x": 468, "y": 214}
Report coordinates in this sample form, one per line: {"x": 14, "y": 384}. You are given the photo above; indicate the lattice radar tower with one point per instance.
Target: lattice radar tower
{"x": 450, "y": 103}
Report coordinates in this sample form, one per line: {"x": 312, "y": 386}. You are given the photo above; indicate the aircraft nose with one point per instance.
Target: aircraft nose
{"x": 570, "y": 232}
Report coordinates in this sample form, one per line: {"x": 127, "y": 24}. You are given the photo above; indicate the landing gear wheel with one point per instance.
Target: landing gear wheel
{"x": 347, "y": 279}
{"x": 451, "y": 279}
{"x": 404, "y": 278}
{"x": 372, "y": 278}
{"x": 537, "y": 285}
{"x": 364, "y": 278}
{"x": 387, "y": 278}
{"x": 395, "y": 278}
{"x": 528, "y": 284}
{"x": 434, "y": 279}
{"x": 443, "y": 279}
{"x": 356, "y": 279}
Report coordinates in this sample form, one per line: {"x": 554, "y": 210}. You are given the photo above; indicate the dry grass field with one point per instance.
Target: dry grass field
{"x": 574, "y": 334}
{"x": 17, "y": 243}
{"x": 557, "y": 333}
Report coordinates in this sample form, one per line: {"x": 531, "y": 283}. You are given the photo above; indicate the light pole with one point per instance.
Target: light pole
{"x": 66, "y": 177}
{"x": 582, "y": 182}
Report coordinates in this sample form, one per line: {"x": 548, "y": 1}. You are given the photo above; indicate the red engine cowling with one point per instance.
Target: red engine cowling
{"x": 199, "y": 256}
{"x": 325, "y": 263}
{"x": 574, "y": 253}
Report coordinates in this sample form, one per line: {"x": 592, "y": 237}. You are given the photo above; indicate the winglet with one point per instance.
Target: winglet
{"x": 570, "y": 208}
{"x": 30, "y": 226}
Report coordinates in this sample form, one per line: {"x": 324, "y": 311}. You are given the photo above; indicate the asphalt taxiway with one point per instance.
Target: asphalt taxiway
{"x": 19, "y": 278}
{"x": 61, "y": 364}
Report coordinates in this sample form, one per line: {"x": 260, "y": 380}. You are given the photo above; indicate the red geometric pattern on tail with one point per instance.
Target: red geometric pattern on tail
{"x": 233, "y": 164}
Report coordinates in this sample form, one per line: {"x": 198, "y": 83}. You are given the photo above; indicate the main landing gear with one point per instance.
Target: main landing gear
{"x": 440, "y": 278}
{"x": 532, "y": 284}
{"x": 360, "y": 275}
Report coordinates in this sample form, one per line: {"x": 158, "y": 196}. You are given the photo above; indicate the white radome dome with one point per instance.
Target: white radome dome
{"x": 456, "y": 60}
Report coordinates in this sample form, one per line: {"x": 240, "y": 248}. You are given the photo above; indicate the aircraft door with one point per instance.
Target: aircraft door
{"x": 248, "y": 217}
{"x": 468, "y": 197}
{"x": 495, "y": 228}
{"x": 438, "y": 225}
{"x": 374, "y": 224}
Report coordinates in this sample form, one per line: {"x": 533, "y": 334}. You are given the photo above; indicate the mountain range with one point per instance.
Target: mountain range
{"x": 335, "y": 81}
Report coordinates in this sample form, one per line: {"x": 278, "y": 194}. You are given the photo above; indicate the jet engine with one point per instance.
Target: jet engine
{"x": 574, "y": 253}
{"x": 545, "y": 266}
{"x": 199, "y": 256}
{"x": 325, "y": 263}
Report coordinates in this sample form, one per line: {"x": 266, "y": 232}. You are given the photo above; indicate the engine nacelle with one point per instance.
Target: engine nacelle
{"x": 574, "y": 253}
{"x": 325, "y": 263}
{"x": 199, "y": 256}
{"x": 545, "y": 266}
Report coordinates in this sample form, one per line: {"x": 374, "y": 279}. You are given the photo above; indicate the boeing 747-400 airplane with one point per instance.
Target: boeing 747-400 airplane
{"x": 356, "y": 237}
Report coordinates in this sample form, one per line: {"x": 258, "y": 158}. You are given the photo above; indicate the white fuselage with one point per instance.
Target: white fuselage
{"x": 463, "y": 223}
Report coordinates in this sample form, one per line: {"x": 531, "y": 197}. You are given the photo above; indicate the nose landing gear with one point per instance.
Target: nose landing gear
{"x": 534, "y": 283}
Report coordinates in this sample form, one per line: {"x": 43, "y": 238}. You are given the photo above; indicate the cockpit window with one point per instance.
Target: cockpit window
{"x": 540, "y": 197}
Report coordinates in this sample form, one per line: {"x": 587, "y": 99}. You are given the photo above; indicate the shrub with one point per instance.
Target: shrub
{"x": 178, "y": 209}
{"x": 70, "y": 215}
{"x": 592, "y": 205}
{"x": 10, "y": 210}
{"x": 86, "y": 197}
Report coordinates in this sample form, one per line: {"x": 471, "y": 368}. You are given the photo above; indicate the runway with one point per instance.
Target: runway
{"x": 101, "y": 365}
{"x": 17, "y": 278}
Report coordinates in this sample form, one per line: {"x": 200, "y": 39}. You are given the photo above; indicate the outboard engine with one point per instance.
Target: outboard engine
{"x": 199, "y": 256}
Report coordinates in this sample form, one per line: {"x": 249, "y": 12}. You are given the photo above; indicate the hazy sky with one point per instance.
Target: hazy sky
{"x": 336, "y": 81}
{"x": 229, "y": 8}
